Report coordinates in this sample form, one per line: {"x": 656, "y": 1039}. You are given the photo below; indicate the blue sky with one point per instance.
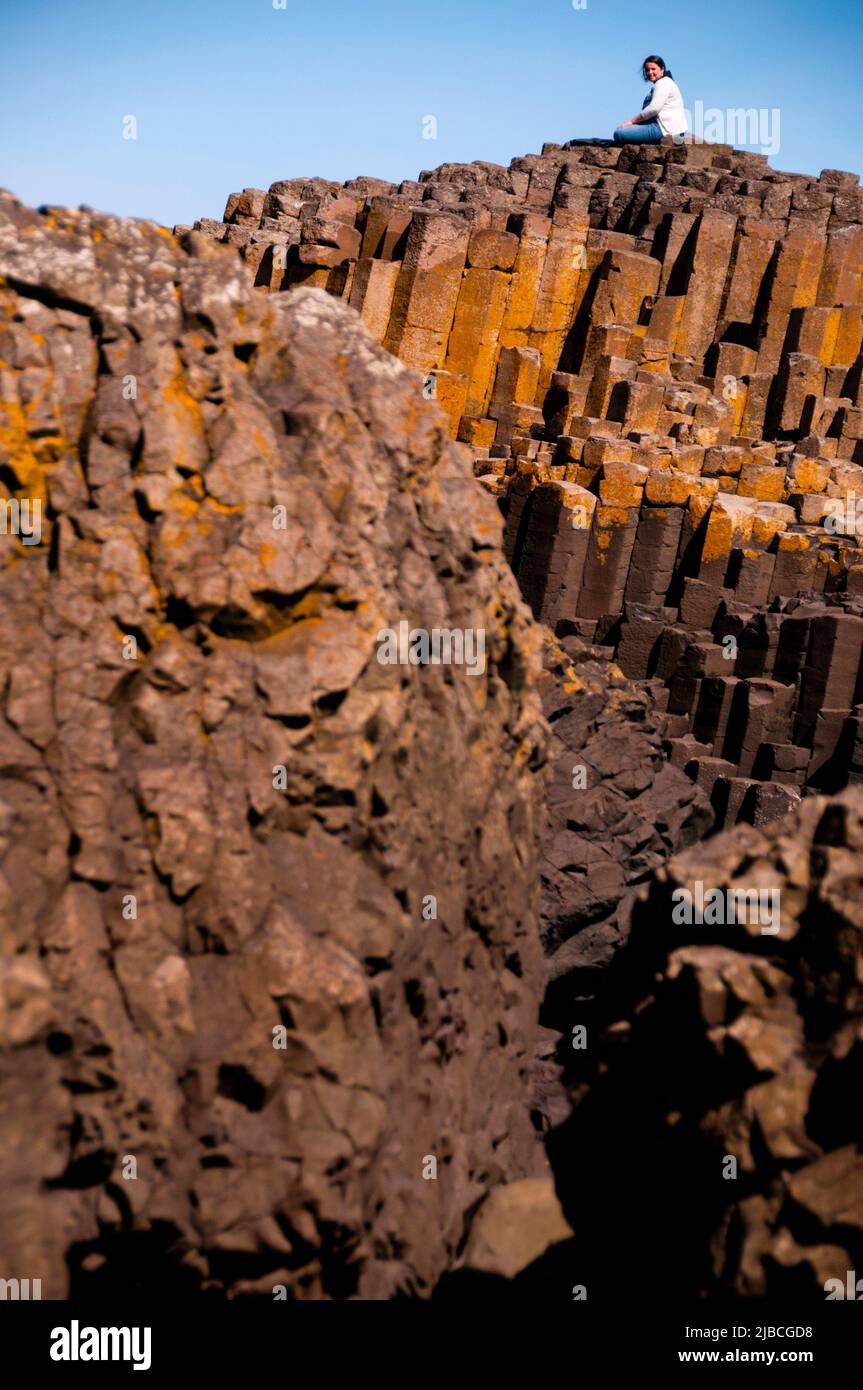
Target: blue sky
{"x": 236, "y": 93}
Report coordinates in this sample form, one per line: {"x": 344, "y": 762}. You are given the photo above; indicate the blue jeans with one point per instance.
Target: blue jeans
{"x": 645, "y": 133}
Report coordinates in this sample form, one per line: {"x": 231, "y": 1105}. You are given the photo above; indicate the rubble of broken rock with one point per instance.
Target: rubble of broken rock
{"x": 725, "y": 1042}
{"x": 617, "y": 807}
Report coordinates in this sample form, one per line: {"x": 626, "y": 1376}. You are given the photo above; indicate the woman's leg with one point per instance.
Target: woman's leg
{"x": 645, "y": 133}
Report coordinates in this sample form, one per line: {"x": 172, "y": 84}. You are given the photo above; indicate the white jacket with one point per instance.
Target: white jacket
{"x": 665, "y": 105}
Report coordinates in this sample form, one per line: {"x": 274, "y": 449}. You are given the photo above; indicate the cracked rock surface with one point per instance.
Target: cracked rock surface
{"x": 222, "y": 820}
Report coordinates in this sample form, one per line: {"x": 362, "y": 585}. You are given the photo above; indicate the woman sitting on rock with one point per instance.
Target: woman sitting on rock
{"x": 662, "y": 112}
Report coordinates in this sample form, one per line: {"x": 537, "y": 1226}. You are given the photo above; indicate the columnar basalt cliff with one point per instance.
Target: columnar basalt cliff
{"x": 653, "y": 354}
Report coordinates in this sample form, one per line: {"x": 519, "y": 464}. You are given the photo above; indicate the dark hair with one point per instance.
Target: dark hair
{"x": 654, "y": 58}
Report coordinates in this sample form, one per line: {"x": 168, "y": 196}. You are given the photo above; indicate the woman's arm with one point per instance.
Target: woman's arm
{"x": 658, "y": 98}
{"x": 649, "y": 110}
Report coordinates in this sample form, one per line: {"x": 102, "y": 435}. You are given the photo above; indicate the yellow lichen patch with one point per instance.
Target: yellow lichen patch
{"x": 16, "y": 449}
{"x": 184, "y": 504}
{"x": 187, "y": 424}
{"x": 178, "y": 393}
{"x": 717, "y": 542}
{"x": 171, "y": 536}
{"x": 765, "y": 528}
{"x": 613, "y": 516}
{"x": 665, "y": 486}
{"x": 616, "y": 491}
{"x": 698, "y": 506}
{"x": 794, "y": 541}
{"x": 224, "y": 508}
{"x": 810, "y": 475}
{"x": 834, "y": 569}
